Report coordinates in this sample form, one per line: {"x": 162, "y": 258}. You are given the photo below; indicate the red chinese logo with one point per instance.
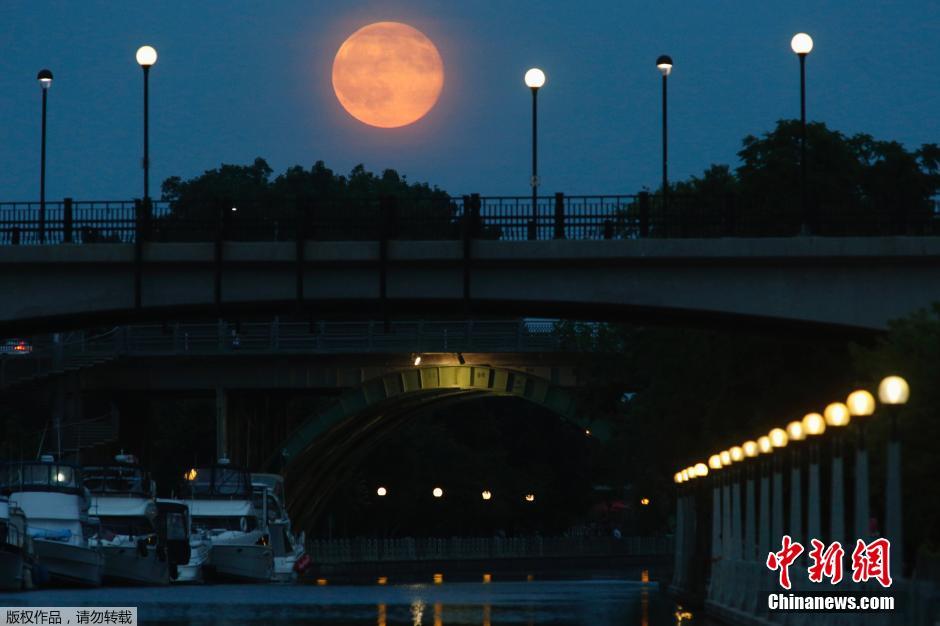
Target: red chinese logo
{"x": 827, "y": 563}
{"x": 784, "y": 559}
{"x": 872, "y": 560}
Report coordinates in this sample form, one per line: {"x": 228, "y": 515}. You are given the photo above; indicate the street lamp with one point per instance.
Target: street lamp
{"x": 437, "y": 492}
{"x": 861, "y": 404}
{"x": 486, "y": 494}
{"x": 534, "y": 80}
{"x": 778, "y": 439}
{"x": 750, "y": 535}
{"x": 813, "y": 425}
{"x": 796, "y": 432}
{"x": 45, "y": 81}
{"x": 381, "y": 492}
{"x": 146, "y": 57}
{"x": 894, "y": 392}
{"x": 664, "y": 65}
{"x": 837, "y": 416}
{"x": 801, "y": 44}
{"x": 725, "y": 456}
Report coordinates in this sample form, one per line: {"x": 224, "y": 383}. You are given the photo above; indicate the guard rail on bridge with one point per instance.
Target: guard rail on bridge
{"x": 469, "y": 217}
{"x": 51, "y": 355}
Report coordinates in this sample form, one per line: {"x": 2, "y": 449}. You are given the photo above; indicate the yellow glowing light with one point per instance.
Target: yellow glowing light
{"x": 778, "y": 438}
{"x": 487, "y": 494}
{"x": 322, "y": 582}
{"x": 893, "y": 390}
{"x": 60, "y": 477}
{"x": 587, "y": 431}
{"x": 382, "y": 580}
{"x": 750, "y": 449}
{"x": 534, "y": 78}
{"x": 860, "y": 403}
{"x": 487, "y": 578}
{"x": 146, "y": 56}
{"x": 381, "y": 492}
{"x": 714, "y": 462}
{"x": 677, "y": 478}
{"x": 725, "y": 457}
{"x": 795, "y": 431}
{"x": 814, "y": 424}
{"x": 417, "y": 360}
{"x": 801, "y": 43}
{"x": 701, "y": 470}
{"x": 737, "y": 453}
{"x": 685, "y": 475}
{"x": 837, "y": 414}
{"x": 388, "y": 74}
{"x": 191, "y": 474}
{"x": 530, "y": 497}
{"x": 438, "y": 579}
{"x": 437, "y": 492}
{"x": 763, "y": 442}
{"x": 645, "y": 501}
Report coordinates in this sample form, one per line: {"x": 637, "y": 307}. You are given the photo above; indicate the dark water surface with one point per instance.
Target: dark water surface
{"x": 568, "y": 603}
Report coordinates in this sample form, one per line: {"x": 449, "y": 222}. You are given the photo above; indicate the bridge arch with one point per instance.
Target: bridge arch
{"x": 336, "y": 439}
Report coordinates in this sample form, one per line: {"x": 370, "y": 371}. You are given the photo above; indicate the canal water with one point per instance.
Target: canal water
{"x": 437, "y": 603}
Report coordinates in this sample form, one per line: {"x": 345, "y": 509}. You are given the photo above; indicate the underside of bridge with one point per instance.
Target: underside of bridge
{"x": 332, "y": 443}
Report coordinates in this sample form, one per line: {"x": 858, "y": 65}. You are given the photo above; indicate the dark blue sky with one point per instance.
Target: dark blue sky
{"x": 241, "y": 79}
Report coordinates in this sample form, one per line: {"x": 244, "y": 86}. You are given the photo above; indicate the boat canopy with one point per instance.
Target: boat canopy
{"x": 118, "y": 480}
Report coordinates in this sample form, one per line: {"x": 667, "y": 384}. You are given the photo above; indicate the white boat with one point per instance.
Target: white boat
{"x": 220, "y": 502}
{"x": 16, "y": 548}
{"x": 56, "y": 505}
{"x": 123, "y": 499}
{"x": 290, "y": 558}
{"x": 187, "y": 550}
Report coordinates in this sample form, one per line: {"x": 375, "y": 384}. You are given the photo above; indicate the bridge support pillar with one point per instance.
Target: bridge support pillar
{"x": 837, "y": 495}
{"x": 221, "y": 423}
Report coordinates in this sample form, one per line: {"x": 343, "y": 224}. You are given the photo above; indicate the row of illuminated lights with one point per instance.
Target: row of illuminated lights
{"x": 438, "y": 492}
{"x": 892, "y": 391}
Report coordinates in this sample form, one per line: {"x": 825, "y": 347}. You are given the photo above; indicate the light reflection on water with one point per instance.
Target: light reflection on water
{"x": 488, "y": 602}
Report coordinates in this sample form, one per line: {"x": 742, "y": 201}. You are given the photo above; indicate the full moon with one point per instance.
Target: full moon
{"x": 388, "y": 74}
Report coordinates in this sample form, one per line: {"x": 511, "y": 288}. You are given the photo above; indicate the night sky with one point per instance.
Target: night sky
{"x": 241, "y": 79}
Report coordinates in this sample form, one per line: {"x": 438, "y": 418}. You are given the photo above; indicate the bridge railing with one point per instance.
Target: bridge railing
{"x": 559, "y": 216}
{"x": 55, "y": 354}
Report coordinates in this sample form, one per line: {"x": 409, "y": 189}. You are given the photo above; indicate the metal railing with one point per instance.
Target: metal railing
{"x": 363, "y": 550}
{"x": 52, "y": 355}
{"x": 514, "y": 218}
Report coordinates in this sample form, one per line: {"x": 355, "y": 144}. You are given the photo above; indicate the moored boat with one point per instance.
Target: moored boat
{"x": 56, "y": 504}
{"x": 220, "y": 502}
{"x": 289, "y": 555}
{"x": 17, "y": 556}
{"x": 187, "y": 549}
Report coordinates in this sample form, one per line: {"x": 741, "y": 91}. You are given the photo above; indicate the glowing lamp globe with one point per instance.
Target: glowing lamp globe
{"x": 45, "y": 79}
{"x": 837, "y": 414}
{"x": 691, "y": 470}
{"x": 677, "y": 478}
{"x": 437, "y": 492}
{"x": 146, "y": 56}
{"x": 814, "y": 424}
{"x": 860, "y": 403}
{"x": 725, "y": 456}
{"x": 750, "y": 449}
{"x": 801, "y": 43}
{"x": 737, "y": 454}
{"x": 486, "y": 494}
{"x": 893, "y": 390}
{"x": 664, "y": 64}
{"x": 795, "y": 431}
{"x": 714, "y": 462}
{"x": 381, "y": 492}
{"x": 534, "y": 78}
{"x": 701, "y": 470}
{"x": 778, "y": 438}
{"x": 685, "y": 475}
{"x": 764, "y": 444}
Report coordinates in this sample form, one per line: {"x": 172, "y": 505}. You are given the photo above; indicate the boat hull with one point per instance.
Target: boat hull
{"x": 125, "y": 565}
{"x": 247, "y": 563}
{"x": 70, "y": 564}
{"x": 12, "y": 568}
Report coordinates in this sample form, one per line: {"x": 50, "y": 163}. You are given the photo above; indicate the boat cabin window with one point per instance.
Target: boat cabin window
{"x": 175, "y": 525}
{"x": 274, "y": 508}
{"x": 42, "y": 475}
{"x": 244, "y": 523}
{"x": 117, "y": 479}
{"x": 218, "y": 482}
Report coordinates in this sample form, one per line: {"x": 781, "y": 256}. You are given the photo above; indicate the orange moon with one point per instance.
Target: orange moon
{"x": 388, "y": 74}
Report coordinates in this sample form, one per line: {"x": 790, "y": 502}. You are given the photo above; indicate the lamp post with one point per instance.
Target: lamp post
{"x": 861, "y": 404}
{"x": 750, "y": 452}
{"x": 45, "y": 81}
{"x": 837, "y": 415}
{"x": 814, "y": 424}
{"x": 778, "y": 439}
{"x": 795, "y": 432}
{"x": 534, "y": 79}
{"x": 146, "y": 57}
{"x": 893, "y": 392}
{"x": 763, "y": 525}
{"x": 737, "y": 456}
{"x": 664, "y": 65}
{"x": 802, "y": 44}
{"x": 714, "y": 463}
